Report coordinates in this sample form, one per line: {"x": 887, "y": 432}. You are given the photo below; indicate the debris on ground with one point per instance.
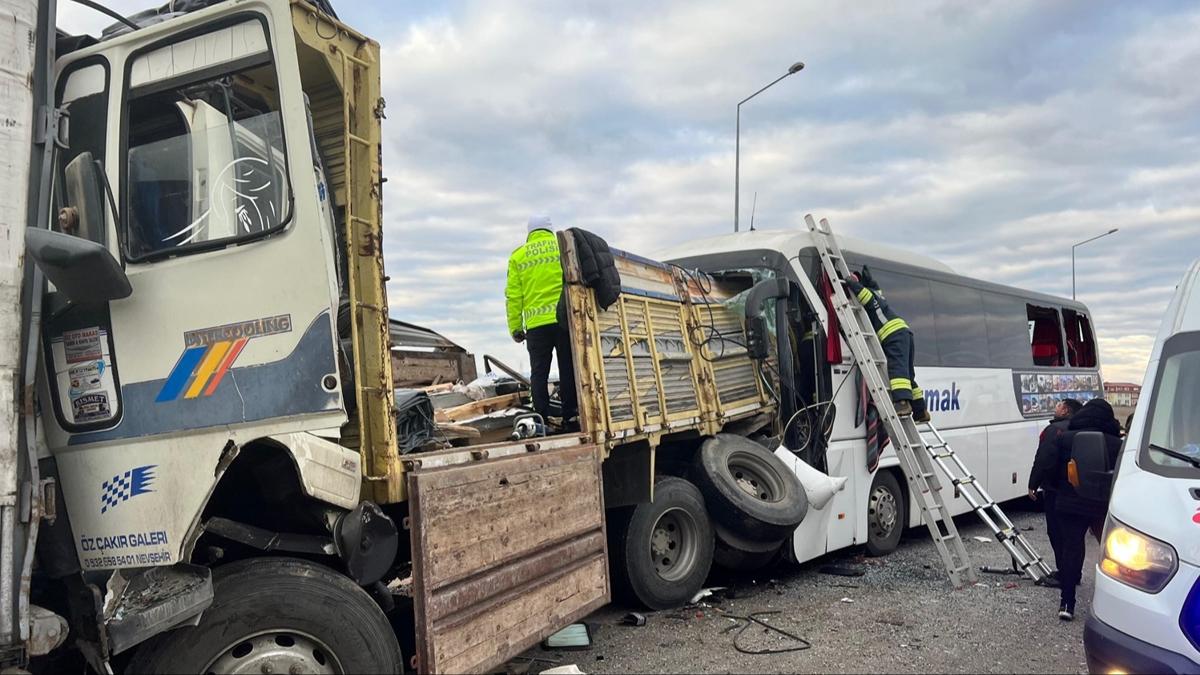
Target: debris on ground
{"x": 797, "y": 643}
{"x": 633, "y": 619}
{"x": 904, "y": 598}
{"x": 705, "y": 593}
{"x": 846, "y": 600}
{"x": 843, "y": 570}
{"x": 569, "y": 669}
{"x": 982, "y": 540}
{"x": 575, "y": 636}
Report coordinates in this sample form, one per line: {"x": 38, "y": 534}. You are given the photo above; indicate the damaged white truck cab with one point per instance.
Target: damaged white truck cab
{"x": 214, "y": 382}
{"x": 216, "y": 396}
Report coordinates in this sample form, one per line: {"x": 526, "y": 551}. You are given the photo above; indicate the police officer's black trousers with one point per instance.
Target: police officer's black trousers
{"x": 543, "y": 342}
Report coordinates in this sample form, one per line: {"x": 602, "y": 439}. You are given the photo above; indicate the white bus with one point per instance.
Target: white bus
{"x": 993, "y": 360}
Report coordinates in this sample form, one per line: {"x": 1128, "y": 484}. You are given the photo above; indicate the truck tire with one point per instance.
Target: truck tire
{"x": 736, "y": 553}
{"x": 662, "y": 551}
{"x": 278, "y": 615}
{"x": 749, "y": 490}
{"x": 887, "y": 514}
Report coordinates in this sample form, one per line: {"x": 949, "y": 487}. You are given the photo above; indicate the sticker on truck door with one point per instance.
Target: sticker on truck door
{"x": 84, "y": 379}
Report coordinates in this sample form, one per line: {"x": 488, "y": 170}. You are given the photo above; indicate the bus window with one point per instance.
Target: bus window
{"x": 1007, "y": 331}
{"x": 1045, "y": 335}
{"x": 1081, "y": 346}
{"x": 961, "y": 327}
{"x": 911, "y": 299}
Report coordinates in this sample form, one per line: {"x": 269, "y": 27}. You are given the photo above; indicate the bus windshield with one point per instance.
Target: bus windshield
{"x": 1173, "y": 434}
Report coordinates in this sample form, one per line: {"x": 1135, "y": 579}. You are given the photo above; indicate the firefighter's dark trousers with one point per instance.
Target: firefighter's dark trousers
{"x": 900, "y": 349}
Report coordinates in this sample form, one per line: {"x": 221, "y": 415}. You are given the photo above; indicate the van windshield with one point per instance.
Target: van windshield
{"x": 1174, "y": 423}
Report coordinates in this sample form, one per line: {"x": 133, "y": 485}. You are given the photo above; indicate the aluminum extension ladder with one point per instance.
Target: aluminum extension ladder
{"x": 918, "y": 456}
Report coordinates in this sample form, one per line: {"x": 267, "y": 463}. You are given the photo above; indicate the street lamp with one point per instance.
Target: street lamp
{"x": 1073, "y": 256}
{"x": 737, "y": 153}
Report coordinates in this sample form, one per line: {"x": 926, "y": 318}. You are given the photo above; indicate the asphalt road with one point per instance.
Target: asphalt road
{"x": 901, "y": 616}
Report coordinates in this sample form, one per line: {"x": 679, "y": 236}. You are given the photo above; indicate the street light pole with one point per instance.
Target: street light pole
{"x": 737, "y": 152}
{"x": 1073, "y": 256}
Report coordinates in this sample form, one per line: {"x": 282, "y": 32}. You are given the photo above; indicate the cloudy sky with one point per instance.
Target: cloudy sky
{"x": 990, "y": 135}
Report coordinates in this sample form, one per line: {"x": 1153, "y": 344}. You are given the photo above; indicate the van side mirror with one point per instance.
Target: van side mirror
{"x": 84, "y": 213}
{"x": 1092, "y": 477}
{"x": 82, "y": 270}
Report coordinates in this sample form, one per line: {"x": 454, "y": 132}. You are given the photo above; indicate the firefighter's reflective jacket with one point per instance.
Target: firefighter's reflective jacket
{"x": 885, "y": 321}
{"x": 534, "y": 282}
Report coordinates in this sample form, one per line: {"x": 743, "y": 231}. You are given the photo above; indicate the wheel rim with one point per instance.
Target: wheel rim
{"x": 276, "y": 652}
{"x": 755, "y": 477}
{"x": 674, "y": 544}
{"x": 883, "y": 512}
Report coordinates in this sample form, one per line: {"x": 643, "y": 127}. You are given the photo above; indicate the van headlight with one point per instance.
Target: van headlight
{"x": 1136, "y": 559}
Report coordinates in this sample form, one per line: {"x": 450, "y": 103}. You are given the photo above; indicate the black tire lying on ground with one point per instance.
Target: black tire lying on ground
{"x": 661, "y": 552}
{"x": 740, "y": 554}
{"x": 749, "y": 490}
{"x": 282, "y": 613}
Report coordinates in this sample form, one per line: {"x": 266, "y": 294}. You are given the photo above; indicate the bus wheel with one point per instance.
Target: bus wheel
{"x": 278, "y": 615}
{"x": 663, "y": 554}
{"x": 886, "y": 514}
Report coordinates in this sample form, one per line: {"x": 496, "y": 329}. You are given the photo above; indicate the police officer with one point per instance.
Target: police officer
{"x": 535, "y": 280}
{"x": 898, "y": 346}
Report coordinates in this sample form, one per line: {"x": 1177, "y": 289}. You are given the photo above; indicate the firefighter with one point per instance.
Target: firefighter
{"x": 898, "y": 346}
{"x": 535, "y": 280}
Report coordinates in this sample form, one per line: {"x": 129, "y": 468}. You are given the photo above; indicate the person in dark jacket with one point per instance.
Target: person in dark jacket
{"x": 1042, "y": 476}
{"x": 1078, "y": 514}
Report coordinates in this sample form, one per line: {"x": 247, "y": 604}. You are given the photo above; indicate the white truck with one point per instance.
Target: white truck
{"x": 202, "y": 469}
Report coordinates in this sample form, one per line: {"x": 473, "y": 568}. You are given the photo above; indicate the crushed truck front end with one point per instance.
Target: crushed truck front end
{"x": 222, "y": 430}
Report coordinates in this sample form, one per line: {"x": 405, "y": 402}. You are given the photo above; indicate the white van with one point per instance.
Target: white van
{"x": 1146, "y": 608}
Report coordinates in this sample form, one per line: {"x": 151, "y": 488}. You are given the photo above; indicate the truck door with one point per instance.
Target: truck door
{"x": 229, "y": 329}
{"x": 229, "y": 321}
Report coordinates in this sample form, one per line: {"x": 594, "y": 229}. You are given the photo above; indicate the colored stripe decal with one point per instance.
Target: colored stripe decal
{"x": 216, "y": 352}
{"x": 230, "y": 357}
{"x": 180, "y": 374}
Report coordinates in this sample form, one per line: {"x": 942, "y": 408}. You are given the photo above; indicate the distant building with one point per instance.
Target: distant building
{"x": 1122, "y": 393}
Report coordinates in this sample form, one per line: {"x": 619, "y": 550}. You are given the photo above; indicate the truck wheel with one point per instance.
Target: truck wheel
{"x": 663, "y": 554}
{"x": 742, "y": 555}
{"x": 886, "y": 514}
{"x": 278, "y": 615}
{"x": 748, "y": 489}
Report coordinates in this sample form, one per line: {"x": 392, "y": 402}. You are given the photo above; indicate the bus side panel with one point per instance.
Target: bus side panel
{"x": 506, "y": 551}
{"x": 1010, "y": 451}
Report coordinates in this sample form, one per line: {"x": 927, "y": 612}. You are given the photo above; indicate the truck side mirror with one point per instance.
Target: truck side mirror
{"x": 1089, "y": 471}
{"x": 757, "y": 337}
{"x": 84, "y": 214}
{"x": 82, "y": 270}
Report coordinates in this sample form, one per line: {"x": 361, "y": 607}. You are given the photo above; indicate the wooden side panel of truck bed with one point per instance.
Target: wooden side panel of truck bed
{"x": 507, "y": 548}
